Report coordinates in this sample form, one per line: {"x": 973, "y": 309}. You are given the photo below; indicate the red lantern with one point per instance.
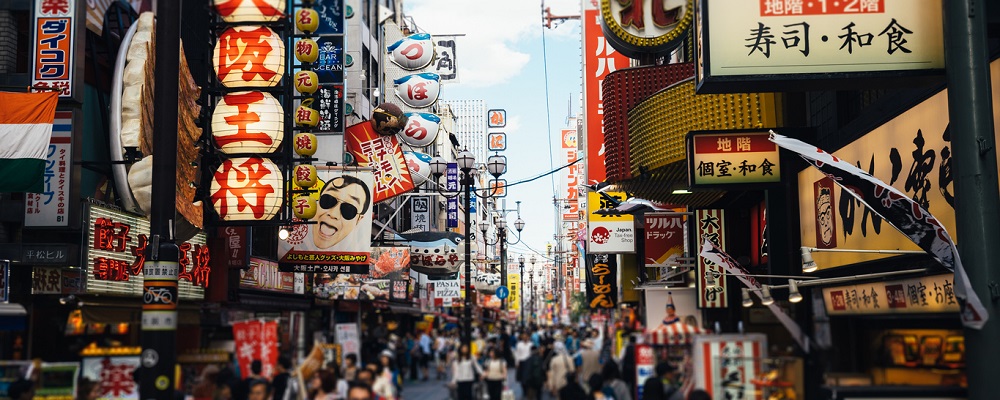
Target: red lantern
{"x": 247, "y": 188}
{"x": 249, "y": 56}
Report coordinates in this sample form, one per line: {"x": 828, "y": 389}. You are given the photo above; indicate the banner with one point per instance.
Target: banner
{"x": 371, "y": 150}
{"x": 602, "y": 281}
{"x": 348, "y": 339}
{"x": 445, "y": 63}
{"x": 712, "y": 227}
{"x": 256, "y": 340}
{"x": 340, "y": 240}
{"x": 514, "y": 284}
{"x": 900, "y": 211}
{"x": 599, "y": 60}
{"x": 713, "y": 253}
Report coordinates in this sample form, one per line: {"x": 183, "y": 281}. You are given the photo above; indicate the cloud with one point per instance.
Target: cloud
{"x": 492, "y": 52}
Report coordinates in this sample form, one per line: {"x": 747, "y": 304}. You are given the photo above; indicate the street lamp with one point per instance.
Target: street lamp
{"x": 496, "y": 165}
{"x": 520, "y": 262}
{"x": 532, "y": 276}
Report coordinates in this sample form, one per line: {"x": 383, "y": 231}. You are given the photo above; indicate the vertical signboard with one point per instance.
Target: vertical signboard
{"x": 602, "y": 281}
{"x": 4, "y": 281}
{"x": 645, "y": 367}
{"x": 420, "y": 213}
{"x": 54, "y": 57}
{"x": 711, "y": 226}
{"x": 599, "y": 60}
{"x": 51, "y": 207}
{"x": 664, "y": 239}
{"x": 729, "y": 364}
{"x": 347, "y": 338}
{"x": 568, "y": 178}
{"x": 451, "y": 185}
{"x": 445, "y": 63}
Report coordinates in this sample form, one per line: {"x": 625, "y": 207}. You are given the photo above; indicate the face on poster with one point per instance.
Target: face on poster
{"x": 343, "y": 222}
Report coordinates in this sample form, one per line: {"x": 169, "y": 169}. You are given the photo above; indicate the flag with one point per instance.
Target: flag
{"x": 25, "y": 129}
{"x": 900, "y": 211}
{"x": 713, "y": 253}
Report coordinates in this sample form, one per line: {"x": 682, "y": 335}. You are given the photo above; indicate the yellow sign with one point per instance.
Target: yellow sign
{"x": 608, "y": 233}
{"x": 162, "y": 382}
{"x": 911, "y": 152}
{"x": 514, "y": 284}
{"x": 733, "y": 158}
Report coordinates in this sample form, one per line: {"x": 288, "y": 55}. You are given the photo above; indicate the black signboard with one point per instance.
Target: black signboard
{"x": 602, "y": 281}
{"x": 330, "y": 99}
{"x": 328, "y": 269}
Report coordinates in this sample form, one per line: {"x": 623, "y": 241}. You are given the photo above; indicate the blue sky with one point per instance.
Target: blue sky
{"x": 500, "y": 60}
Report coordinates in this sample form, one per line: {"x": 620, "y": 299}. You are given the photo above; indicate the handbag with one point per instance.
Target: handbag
{"x": 507, "y": 394}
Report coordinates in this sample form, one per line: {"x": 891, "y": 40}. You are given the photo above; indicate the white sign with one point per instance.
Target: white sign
{"x": 444, "y": 64}
{"x": 412, "y": 52}
{"x": 418, "y": 90}
{"x": 51, "y": 207}
{"x": 447, "y": 291}
{"x": 611, "y": 237}
{"x": 730, "y": 362}
{"x": 420, "y": 213}
{"x": 113, "y": 376}
{"x": 348, "y": 339}
{"x": 927, "y": 294}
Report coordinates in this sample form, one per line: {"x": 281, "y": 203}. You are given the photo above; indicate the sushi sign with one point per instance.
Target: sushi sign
{"x": 928, "y": 294}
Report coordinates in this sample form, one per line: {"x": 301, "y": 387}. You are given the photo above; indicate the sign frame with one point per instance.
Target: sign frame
{"x": 708, "y": 84}
{"x": 503, "y": 118}
{"x": 689, "y": 141}
{"x": 501, "y": 137}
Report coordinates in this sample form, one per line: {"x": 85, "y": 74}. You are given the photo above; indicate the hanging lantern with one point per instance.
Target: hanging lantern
{"x": 418, "y": 90}
{"x": 305, "y": 144}
{"x": 413, "y": 52}
{"x": 247, "y": 11}
{"x": 304, "y": 207}
{"x": 247, "y": 189}
{"x": 419, "y": 165}
{"x": 421, "y": 129}
{"x": 306, "y": 50}
{"x": 305, "y": 175}
{"x": 307, "y": 20}
{"x": 306, "y": 115}
{"x": 248, "y": 122}
{"x": 249, "y": 56}
{"x": 306, "y": 82}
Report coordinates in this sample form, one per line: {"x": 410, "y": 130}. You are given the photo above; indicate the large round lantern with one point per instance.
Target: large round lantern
{"x": 419, "y": 165}
{"x": 305, "y": 115}
{"x": 249, "y": 56}
{"x": 421, "y": 129}
{"x": 247, "y": 189}
{"x": 307, "y": 20}
{"x": 247, "y": 11}
{"x": 304, "y": 207}
{"x": 306, "y": 82}
{"x": 413, "y": 52}
{"x": 306, "y": 50}
{"x": 305, "y": 175}
{"x": 418, "y": 90}
{"x": 248, "y": 122}
{"x": 305, "y": 144}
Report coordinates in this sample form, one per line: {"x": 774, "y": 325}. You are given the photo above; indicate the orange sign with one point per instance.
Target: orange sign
{"x": 498, "y": 188}
{"x": 498, "y": 141}
{"x": 392, "y": 177}
{"x": 497, "y": 118}
{"x": 599, "y": 60}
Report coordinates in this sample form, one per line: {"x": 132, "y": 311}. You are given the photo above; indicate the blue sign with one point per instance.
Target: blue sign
{"x": 452, "y": 174}
{"x": 453, "y": 212}
{"x": 502, "y": 292}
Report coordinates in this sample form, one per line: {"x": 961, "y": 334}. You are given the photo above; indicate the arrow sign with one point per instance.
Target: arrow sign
{"x": 502, "y": 292}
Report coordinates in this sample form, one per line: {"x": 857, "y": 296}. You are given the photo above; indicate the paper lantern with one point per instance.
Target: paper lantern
{"x": 306, "y": 50}
{"x": 304, "y": 175}
{"x": 249, "y": 56}
{"x": 247, "y": 189}
{"x": 304, "y": 207}
{"x": 419, "y": 165}
{"x": 418, "y": 90}
{"x": 306, "y": 115}
{"x": 412, "y": 52}
{"x": 249, "y": 10}
{"x": 306, "y": 82}
{"x": 421, "y": 129}
{"x": 305, "y": 144}
{"x": 248, "y": 122}
{"x": 307, "y": 20}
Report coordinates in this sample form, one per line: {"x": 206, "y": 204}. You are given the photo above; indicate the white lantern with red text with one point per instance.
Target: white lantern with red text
{"x": 421, "y": 129}
{"x": 419, "y": 165}
{"x": 413, "y": 52}
{"x": 249, "y": 10}
{"x": 249, "y": 56}
{"x": 418, "y": 90}
{"x": 248, "y": 122}
{"x": 247, "y": 189}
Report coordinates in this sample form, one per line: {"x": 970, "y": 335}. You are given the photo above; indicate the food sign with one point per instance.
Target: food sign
{"x": 247, "y": 188}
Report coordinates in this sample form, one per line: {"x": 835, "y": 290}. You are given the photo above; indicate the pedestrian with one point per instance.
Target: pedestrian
{"x": 590, "y": 361}
{"x": 360, "y": 391}
{"x": 425, "y": 354}
{"x": 661, "y": 386}
{"x": 496, "y": 374}
{"x": 598, "y": 389}
{"x": 412, "y": 353}
{"x": 628, "y": 362}
{"x": 282, "y": 374}
{"x": 699, "y": 394}
{"x": 465, "y": 372}
{"x": 441, "y": 344}
{"x": 327, "y": 386}
{"x": 88, "y": 390}
{"x": 572, "y": 390}
{"x": 259, "y": 389}
{"x": 387, "y": 381}
{"x": 351, "y": 367}
{"x": 613, "y": 379}
{"x": 366, "y": 377}
{"x": 521, "y": 353}
{"x": 243, "y": 389}
{"x": 560, "y": 366}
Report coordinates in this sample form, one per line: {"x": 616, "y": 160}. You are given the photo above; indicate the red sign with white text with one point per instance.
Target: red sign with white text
{"x": 773, "y": 8}
{"x": 599, "y": 60}
{"x": 256, "y": 340}
{"x": 392, "y": 176}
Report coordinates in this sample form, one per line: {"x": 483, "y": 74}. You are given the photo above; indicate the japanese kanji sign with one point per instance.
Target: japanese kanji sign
{"x": 569, "y": 178}
{"x": 54, "y": 55}
{"x": 711, "y": 226}
{"x": 51, "y": 207}
{"x": 420, "y": 213}
{"x": 116, "y": 250}
{"x": 608, "y": 233}
{"x": 716, "y": 158}
{"x": 926, "y": 294}
{"x": 371, "y": 150}
{"x": 445, "y": 63}
{"x": 665, "y": 239}
{"x": 256, "y": 340}
{"x": 602, "y": 281}
{"x": 599, "y": 60}
{"x": 742, "y": 40}
{"x": 114, "y": 376}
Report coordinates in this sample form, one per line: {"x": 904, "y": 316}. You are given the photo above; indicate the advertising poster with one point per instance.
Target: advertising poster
{"x": 388, "y": 278}
{"x": 392, "y": 263}
{"x": 340, "y": 239}
{"x": 51, "y": 207}
{"x": 664, "y": 239}
{"x": 371, "y": 150}
{"x": 602, "y": 281}
{"x": 113, "y": 375}
{"x": 645, "y": 366}
{"x": 347, "y": 338}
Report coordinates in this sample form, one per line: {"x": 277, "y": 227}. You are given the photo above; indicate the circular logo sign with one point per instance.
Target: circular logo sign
{"x": 502, "y": 292}
{"x": 600, "y": 235}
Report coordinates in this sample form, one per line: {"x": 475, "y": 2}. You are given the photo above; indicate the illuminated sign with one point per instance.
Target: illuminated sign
{"x": 249, "y": 10}
{"x": 248, "y": 122}
{"x": 927, "y": 294}
{"x": 249, "y": 56}
{"x": 54, "y": 58}
{"x": 645, "y": 27}
{"x": 247, "y": 188}
{"x": 265, "y": 275}
{"x": 725, "y": 158}
{"x": 116, "y": 250}
{"x": 761, "y": 43}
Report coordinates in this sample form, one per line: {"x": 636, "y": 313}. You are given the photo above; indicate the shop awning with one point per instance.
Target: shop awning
{"x": 674, "y": 334}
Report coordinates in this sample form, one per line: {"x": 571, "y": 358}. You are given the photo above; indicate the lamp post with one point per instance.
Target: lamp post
{"x": 496, "y": 165}
{"x": 501, "y": 224}
{"x": 520, "y": 262}
{"x": 532, "y": 273}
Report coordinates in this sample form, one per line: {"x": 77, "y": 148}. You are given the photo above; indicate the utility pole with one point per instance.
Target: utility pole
{"x": 975, "y": 171}
{"x": 158, "y": 336}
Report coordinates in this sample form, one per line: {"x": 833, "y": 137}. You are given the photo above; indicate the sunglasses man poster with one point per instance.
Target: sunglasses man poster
{"x": 338, "y": 238}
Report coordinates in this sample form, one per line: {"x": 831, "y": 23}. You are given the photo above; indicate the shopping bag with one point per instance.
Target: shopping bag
{"x": 507, "y": 394}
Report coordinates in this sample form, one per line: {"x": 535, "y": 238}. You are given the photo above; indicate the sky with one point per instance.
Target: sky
{"x": 501, "y": 60}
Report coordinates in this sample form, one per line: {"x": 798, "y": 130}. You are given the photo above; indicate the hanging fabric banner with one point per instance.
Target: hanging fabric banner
{"x": 899, "y": 210}
{"x": 713, "y": 253}
{"x": 602, "y": 281}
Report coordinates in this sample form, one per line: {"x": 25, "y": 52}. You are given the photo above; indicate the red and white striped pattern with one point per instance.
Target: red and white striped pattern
{"x": 674, "y": 334}
{"x": 730, "y": 366}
